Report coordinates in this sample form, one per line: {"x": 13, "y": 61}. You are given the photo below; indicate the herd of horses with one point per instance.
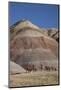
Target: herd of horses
{"x": 32, "y": 67}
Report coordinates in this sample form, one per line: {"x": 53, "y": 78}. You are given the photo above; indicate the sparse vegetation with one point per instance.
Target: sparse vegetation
{"x": 34, "y": 78}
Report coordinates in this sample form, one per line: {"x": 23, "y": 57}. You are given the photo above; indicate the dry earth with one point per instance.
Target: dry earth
{"x": 34, "y": 78}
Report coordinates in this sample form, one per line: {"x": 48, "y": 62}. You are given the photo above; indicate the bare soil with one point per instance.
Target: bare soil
{"x": 34, "y": 78}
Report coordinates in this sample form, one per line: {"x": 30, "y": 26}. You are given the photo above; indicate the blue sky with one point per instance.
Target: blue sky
{"x": 43, "y": 15}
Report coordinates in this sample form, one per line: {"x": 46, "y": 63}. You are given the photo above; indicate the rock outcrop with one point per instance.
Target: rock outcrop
{"x": 30, "y": 46}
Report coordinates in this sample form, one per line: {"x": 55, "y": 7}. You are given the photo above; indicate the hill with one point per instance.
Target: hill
{"x": 32, "y": 47}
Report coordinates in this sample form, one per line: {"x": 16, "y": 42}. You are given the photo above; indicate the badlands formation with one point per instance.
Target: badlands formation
{"x": 33, "y": 48}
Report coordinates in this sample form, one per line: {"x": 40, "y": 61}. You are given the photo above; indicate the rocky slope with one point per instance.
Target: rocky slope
{"x": 15, "y": 68}
{"x": 32, "y": 47}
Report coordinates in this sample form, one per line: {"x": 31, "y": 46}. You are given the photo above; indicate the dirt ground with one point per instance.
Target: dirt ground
{"x": 34, "y": 78}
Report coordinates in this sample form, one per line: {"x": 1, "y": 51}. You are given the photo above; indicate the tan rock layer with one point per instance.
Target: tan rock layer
{"x": 34, "y": 42}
